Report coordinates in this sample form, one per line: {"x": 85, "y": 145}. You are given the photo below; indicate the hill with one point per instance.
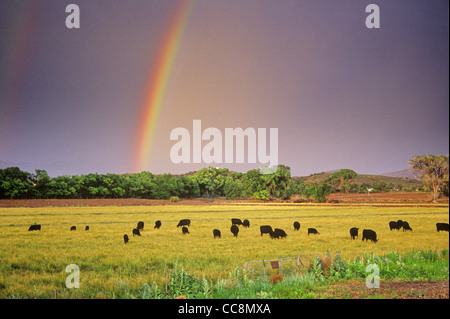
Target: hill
{"x": 366, "y": 178}
{"x": 406, "y": 173}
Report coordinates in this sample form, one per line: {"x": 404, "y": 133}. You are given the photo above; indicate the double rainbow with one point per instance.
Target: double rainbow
{"x": 157, "y": 84}
{"x": 16, "y": 44}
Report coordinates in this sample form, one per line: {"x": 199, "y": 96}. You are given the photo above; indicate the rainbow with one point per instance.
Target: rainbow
{"x": 16, "y": 44}
{"x": 157, "y": 84}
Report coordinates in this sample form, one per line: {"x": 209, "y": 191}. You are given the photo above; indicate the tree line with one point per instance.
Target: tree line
{"x": 208, "y": 182}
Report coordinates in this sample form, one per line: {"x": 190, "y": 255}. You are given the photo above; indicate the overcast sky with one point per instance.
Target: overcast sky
{"x": 340, "y": 94}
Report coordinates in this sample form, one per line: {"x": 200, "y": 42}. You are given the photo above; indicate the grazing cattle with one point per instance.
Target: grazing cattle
{"x": 296, "y": 226}
{"x": 235, "y": 230}
{"x": 73, "y": 228}
{"x": 236, "y": 221}
{"x": 439, "y": 227}
{"x": 354, "y": 232}
{"x": 140, "y": 225}
{"x": 184, "y": 230}
{"x": 399, "y": 224}
{"x": 312, "y": 231}
{"x": 125, "y": 238}
{"x": 34, "y": 227}
{"x": 136, "y": 232}
{"x": 406, "y": 226}
{"x": 157, "y": 224}
{"x": 278, "y": 233}
{"x": 369, "y": 234}
{"x": 246, "y": 223}
{"x": 394, "y": 225}
{"x": 216, "y": 233}
{"x": 86, "y": 228}
{"x": 265, "y": 229}
{"x": 184, "y": 222}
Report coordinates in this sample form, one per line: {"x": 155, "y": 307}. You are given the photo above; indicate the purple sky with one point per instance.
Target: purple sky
{"x": 341, "y": 95}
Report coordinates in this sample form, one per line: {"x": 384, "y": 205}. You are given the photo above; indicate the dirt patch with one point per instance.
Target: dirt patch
{"x": 389, "y": 197}
{"x": 98, "y": 202}
{"x": 389, "y": 290}
{"x": 385, "y": 199}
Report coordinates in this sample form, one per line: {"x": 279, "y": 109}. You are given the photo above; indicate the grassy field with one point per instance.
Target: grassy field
{"x": 33, "y": 263}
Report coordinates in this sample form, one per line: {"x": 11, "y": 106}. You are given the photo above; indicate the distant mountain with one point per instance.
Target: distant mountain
{"x": 406, "y": 173}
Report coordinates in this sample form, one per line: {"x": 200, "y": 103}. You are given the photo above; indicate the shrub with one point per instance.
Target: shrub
{"x": 150, "y": 292}
{"x": 276, "y": 278}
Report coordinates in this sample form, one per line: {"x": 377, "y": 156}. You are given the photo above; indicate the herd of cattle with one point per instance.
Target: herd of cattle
{"x": 367, "y": 234}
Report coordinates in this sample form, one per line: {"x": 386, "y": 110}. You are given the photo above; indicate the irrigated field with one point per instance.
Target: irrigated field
{"x": 33, "y": 263}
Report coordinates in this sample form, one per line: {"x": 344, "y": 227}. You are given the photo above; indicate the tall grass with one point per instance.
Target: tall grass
{"x": 33, "y": 263}
{"x": 430, "y": 265}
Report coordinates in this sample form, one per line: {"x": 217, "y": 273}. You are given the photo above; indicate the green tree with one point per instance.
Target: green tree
{"x": 139, "y": 185}
{"x": 251, "y": 183}
{"x": 232, "y": 188}
{"x": 42, "y": 181}
{"x": 445, "y": 188}
{"x": 297, "y": 186}
{"x": 61, "y": 187}
{"x": 435, "y": 169}
{"x": 342, "y": 180}
{"x": 16, "y": 184}
{"x": 165, "y": 186}
{"x": 318, "y": 191}
{"x": 211, "y": 180}
{"x": 278, "y": 183}
{"x": 262, "y": 195}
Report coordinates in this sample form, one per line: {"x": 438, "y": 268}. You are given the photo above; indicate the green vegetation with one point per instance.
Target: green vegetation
{"x": 306, "y": 283}
{"x": 378, "y": 183}
{"x": 435, "y": 170}
{"x": 207, "y": 182}
{"x": 342, "y": 180}
{"x": 220, "y": 182}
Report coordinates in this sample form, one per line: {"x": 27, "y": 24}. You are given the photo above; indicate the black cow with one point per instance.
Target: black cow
{"x": 235, "y": 230}
{"x": 136, "y": 232}
{"x": 34, "y": 227}
{"x": 296, "y": 226}
{"x": 216, "y": 233}
{"x": 369, "y": 234}
{"x": 312, "y": 231}
{"x": 157, "y": 224}
{"x": 394, "y": 225}
{"x": 184, "y": 230}
{"x": 184, "y": 222}
{"x": 265, "y": 229}
{"x": 236, "y": 221}
{"x": 278, "y": 233}
{"x": 246, "y": 223}
{"x": 140, "y": 225}
{"x": 406, "y": 226}
{"x": 354, "y": 232}
{"x": 399, "y": 224}
{"x": 439, "y": 227}
{"x": 125, "y": 238}
{"x": 86, "y": 228}
{"x": 73, "y": 228}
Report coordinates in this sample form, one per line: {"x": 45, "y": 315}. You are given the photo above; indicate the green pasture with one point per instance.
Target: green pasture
{"x": 33, "y": 263}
